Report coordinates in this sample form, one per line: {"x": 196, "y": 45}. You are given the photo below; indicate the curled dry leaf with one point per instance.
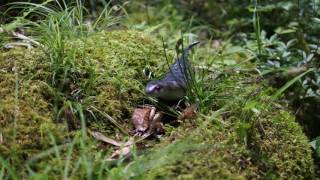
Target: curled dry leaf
{"x": 141, "y": 118}
{"x": 147, "y": 120}
{"x": 99, "y": 136}
{"x": 124, "y": 149}
{"x": 189, "y": 112}
{"x": 156, "y": 125}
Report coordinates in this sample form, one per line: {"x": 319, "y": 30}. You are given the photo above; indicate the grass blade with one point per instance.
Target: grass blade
{"x": 290, "y": 83}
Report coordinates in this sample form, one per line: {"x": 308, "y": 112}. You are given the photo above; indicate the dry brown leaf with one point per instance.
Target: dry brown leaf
{"x": 156, "y": 125}
{"x": 1, "y": 138}
{"x": 99, "y": 136}
{"x": 124, "y": 148}
{"x": 141, "y": 119}
{"x": 189, "y": 112}
{"x": 147, "y": 121}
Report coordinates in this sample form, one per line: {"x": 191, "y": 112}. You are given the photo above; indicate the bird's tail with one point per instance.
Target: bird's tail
{"x": 191, "y": 45}
{"x": 187, "y": 49}
{"x": 184, "y": 65}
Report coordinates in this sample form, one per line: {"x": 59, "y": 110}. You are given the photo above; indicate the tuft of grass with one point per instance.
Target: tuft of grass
{"x": 91, "y": 82}
{"x": 256, "y": 25}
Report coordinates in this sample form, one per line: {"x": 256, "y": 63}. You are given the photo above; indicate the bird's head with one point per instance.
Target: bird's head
{"x": 155, "y": 88}
{"x": 167, "y": 90}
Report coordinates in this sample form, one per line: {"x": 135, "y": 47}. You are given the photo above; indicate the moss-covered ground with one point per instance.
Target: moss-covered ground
{"x": 240, "y": 132}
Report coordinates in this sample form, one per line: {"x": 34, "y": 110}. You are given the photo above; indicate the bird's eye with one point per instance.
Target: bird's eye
{"x": 157, "y": 88}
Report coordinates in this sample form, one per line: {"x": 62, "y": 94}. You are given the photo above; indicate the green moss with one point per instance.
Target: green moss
{"x": 255, "y": 139}
{"x": 210, "y": 155}
{"x": 106, "y": 71}
{"x": 25, "y": 114}
{"x": 249, "y": 138}
{"x": 282, "y": 148}
{"x": 116, "y": 61}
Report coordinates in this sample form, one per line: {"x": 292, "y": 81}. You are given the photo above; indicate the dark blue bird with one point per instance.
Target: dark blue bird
{"x": 174, "y": 85}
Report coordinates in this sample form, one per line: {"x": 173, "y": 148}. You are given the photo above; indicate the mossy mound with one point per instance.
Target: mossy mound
{"x": 26, "y": 121}
{"x": 251, "y": 137}
{"x": 281, "y": 149}
{"x": 27, "y": 98}
{"x": 118, "y": 59}
{"x": 247, "y": 135}
{"x": 254, "y": 137}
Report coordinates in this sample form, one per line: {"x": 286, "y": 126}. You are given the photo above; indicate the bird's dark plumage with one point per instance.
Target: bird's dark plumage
{"x": 174, "y": 85}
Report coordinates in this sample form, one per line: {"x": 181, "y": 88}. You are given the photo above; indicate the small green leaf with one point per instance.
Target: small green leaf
{"x": 317, "y": 20}
{"x": 315, "y": 144}
{"x": 281, "y": 30}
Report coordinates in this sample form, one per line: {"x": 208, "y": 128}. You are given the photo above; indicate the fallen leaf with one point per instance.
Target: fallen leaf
{"x": 1, "y": 138}
{"x": 124, "y": 148}
{"x": 189, "y": 112}
{"x": 156, "y": 125}
{"x": 99, "y": 136}
{"x": 141, "y": 119}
